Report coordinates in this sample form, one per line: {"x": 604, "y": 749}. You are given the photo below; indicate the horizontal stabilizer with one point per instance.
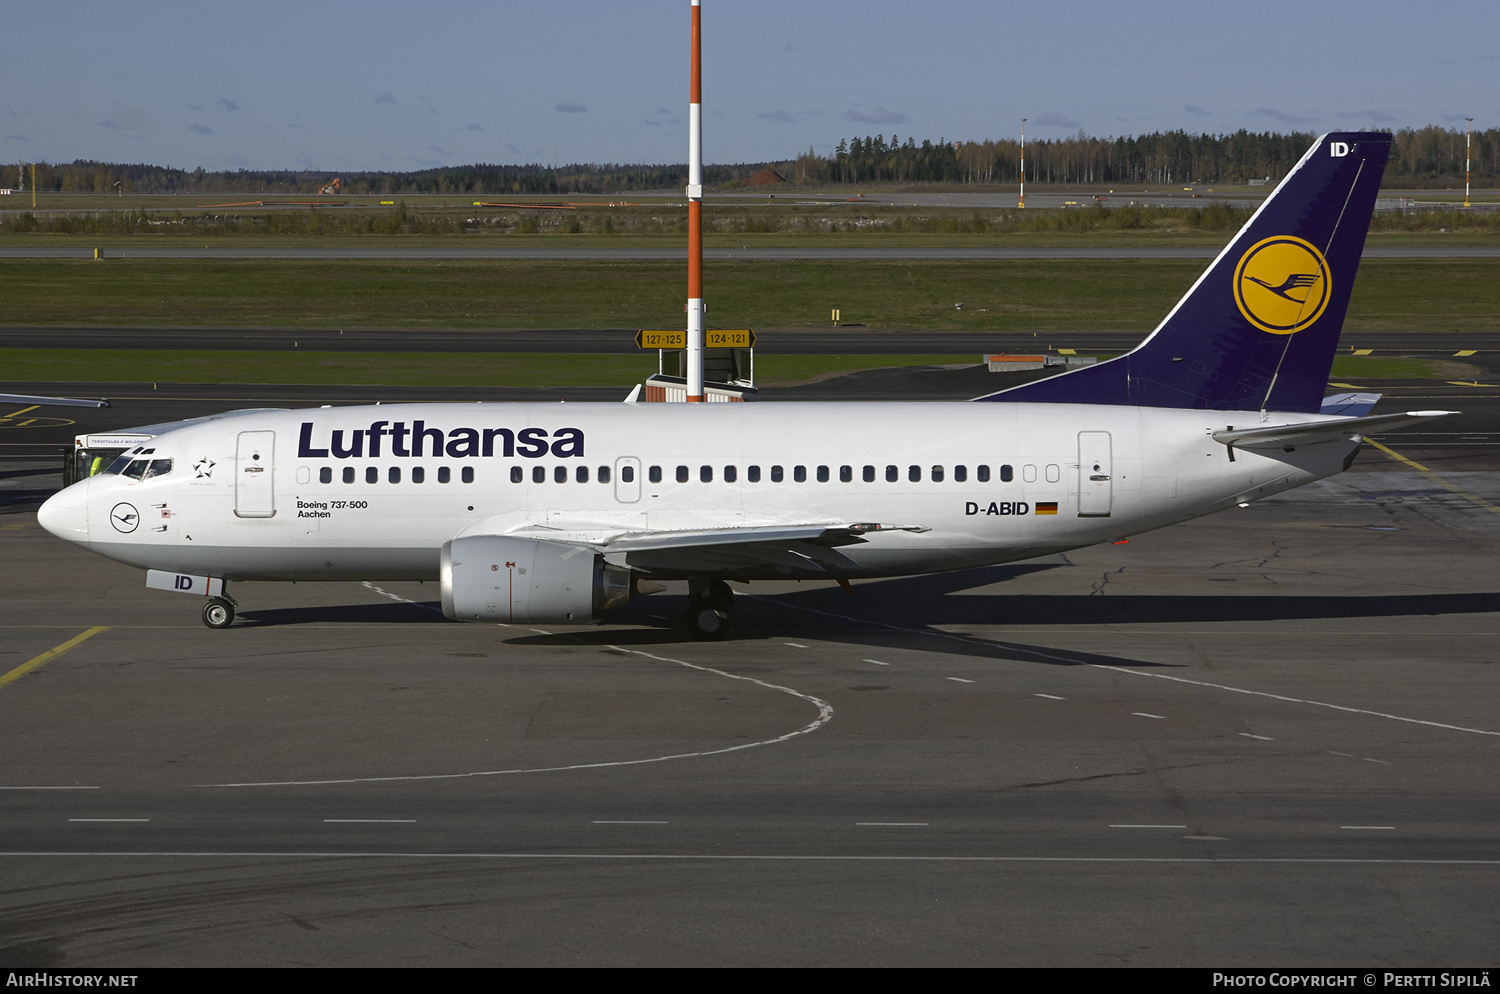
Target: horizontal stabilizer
{"x": 1321, "y": 431}
{"x": 21, "y": 398}
{"x": 1349, "y": 405}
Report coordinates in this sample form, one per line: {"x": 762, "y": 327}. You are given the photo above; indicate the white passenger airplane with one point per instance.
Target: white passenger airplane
{"x": 554, "y": 513}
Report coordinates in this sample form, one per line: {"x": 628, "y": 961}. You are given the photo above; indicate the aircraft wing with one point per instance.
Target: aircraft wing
{"x": 1321, "y": 431}
{"x": 803, "y": 548}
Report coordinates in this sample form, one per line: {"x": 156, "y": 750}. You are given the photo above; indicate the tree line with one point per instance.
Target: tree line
{"x": 1422, "y": 157}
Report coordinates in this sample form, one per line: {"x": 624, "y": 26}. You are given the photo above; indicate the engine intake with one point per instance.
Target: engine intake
{"x": 524, "y": 581}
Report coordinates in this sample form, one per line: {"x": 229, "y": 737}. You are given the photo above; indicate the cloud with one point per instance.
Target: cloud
{"x": 17, "y": 138}
{"x": 10, "y": 110}
{"x": 238, "y": 161}
{"x": 440, "y": 150}
{"x": 472, "y": 127}
{"x": 878, "y": 116}
{"x": 230, "y": 105}
{"x": 654, "y": 124}
{"x": 789, "y": 49}
{"x": 1194, "y": 109}
{"x": 570, "y": 108}
{"x": 777, "y": 115}
{"x": 1052, "y": 119}
{"x": 108, "y": 124}
{"x": 512, "y": 150}
{"x": 1278, "y": 115}
{"x": 660, "y": 110}
{"x": 202, "y": 129}
{"x": 384, "y": 98}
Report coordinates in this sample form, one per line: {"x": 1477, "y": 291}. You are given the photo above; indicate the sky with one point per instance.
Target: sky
{"x": 379, "y": 85}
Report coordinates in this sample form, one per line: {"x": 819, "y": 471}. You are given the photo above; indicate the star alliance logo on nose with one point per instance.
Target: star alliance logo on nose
{"x": 204, "y": 468}
{"x": 1282, "y": 284}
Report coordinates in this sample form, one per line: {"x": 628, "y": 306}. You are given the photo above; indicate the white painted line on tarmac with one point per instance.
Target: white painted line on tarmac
{"x": 110, "y": 819}
{"x": 959, "y": 679}
{"x": 1050, "y": 697}
{"x": 733, "y": 857}
{"x": 795, "y": 645}
{"x": 1148, "y": 826}
{"x": 1369, "y": 828}
{"x": 49, "y": 788}
{"x": 603, "y": 821}
{"x": 825, "y": 714}
{"x": 1380, "y": 761}
{"x": 891, "y": 824}
{"x": 1344, "y": 754}
{"x": 992, "y": 644}
{"x": 369, "y": 821}
{"x": 1142, "y": 714}
{"x": 877, "y": 662}
{"x": 1260, "y": 738}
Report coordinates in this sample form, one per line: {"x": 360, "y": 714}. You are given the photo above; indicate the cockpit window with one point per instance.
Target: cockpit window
{"x": 118, "y": 466}
{"x": 137, "y": 469}
{"x": 158, "y": 467}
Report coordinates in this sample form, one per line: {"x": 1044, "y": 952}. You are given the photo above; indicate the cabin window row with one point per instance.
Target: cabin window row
{"x": 825, "y": 474}
{"x": 891, "y": 473}
{"x": 393, "y": 474}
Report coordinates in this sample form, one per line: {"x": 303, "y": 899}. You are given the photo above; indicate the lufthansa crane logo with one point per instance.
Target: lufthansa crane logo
{"x": 124, "y": 517}
{"x": 1281, "y": 284}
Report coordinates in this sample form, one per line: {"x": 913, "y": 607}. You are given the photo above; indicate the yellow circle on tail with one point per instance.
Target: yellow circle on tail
{"x": 1282, "y": 284}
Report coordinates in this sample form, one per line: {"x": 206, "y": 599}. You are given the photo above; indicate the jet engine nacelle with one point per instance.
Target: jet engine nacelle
{"x": 519, "y": 580}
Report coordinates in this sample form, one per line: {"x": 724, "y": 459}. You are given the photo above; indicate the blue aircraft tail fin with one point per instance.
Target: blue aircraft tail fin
{"x": 1258, "y": 330}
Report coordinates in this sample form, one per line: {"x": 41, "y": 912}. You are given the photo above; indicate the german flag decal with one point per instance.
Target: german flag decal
{"x": 1047, "y": 507}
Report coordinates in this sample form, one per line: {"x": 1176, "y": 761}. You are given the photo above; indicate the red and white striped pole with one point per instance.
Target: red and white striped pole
{"x": 1023, "y": 163}
{"x": 695, "y": 218}
{"x": 1468, "y": 134}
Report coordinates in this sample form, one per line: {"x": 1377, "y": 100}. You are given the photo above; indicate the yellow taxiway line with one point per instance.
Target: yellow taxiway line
{"x": 1434, "y": 477}
{"x": 50, "y": 654}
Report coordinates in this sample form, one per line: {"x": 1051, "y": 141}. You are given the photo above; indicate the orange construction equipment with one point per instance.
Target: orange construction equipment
{"x": 333, "y": 187}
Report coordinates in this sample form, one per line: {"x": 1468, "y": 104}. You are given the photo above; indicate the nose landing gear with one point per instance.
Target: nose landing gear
{"x": 219, "y": 612}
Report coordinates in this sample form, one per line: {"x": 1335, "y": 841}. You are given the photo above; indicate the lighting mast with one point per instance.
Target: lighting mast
{"x": 1468, "y": 131}
{"x": 695, "y": 218}
{"x": 1023, "y": 162}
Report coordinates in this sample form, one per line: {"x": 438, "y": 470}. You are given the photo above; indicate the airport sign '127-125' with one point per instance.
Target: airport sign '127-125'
{"x": 737, "y": 338}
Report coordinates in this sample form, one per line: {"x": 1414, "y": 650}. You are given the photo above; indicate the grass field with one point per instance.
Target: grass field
{"x": 450, "y": 369}
{"x": 1023, "y": 295}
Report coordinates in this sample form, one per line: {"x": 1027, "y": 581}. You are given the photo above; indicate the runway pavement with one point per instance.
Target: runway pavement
{"x": 1267, "y": 738}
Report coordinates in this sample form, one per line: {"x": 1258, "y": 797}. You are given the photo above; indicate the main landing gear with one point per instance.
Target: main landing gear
{"x": 710, "y": 609}
{"x": 219, "y": 612}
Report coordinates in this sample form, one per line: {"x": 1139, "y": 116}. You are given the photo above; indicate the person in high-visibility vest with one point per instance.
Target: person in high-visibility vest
{"x": 96, "y": 465}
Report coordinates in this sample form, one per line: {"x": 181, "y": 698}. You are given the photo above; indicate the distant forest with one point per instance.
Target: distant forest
{"x": 1425, "y": 157}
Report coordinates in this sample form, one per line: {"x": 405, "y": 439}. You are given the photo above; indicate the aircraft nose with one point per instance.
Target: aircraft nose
{"x": 65, "y": 513}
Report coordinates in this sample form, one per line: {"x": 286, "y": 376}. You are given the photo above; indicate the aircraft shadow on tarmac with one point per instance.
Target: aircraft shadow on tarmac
{"x": 888, "y": 613}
